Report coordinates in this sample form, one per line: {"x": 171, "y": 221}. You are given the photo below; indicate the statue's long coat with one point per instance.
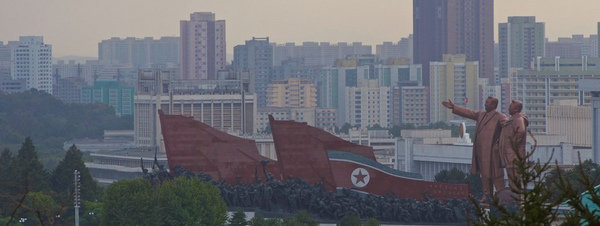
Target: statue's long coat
{"x": 513, "y": 138}
{"x": 486, "y": 158}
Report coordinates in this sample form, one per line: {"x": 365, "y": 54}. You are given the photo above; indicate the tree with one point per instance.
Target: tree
{"x": 43, "y": 206}
{"x": 191, "y": 202}
{"x": 301, "y": 218}
{"x": 584, "y": 204}
{"x": 260, "y": 221}
{"x": 345, "y": 128}
{"x": 238, "y": 219}
{"x": 453, "y": 176}
{"x": 129, "y": 202}
{"x": 30, "y": 171}
{"x": 371, "y": 222}
{"x": 531, "y": 200}
{"x": 8, "y": 186}
{"x": 350, "y": 220}
{"x": 396, "y": 130}
{"x": 50, "y": 122}
{"x": 375, "y": 127}
{"x": 182, "y": 201}
{"x": 62, "y": 176}
{"x": 474, "y": 181}
{"x": 91, "y": 213}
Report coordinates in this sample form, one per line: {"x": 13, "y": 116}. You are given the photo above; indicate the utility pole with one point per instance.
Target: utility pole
{"x": 77, "y": 195}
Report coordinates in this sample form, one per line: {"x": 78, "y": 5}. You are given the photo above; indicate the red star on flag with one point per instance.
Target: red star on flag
{"x": 360, "y": 177}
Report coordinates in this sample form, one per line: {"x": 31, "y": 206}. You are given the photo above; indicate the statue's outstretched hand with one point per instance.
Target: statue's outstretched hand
{"x": 448, "y": 104}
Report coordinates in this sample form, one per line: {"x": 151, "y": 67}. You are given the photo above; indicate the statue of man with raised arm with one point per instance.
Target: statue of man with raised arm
{"x": 486, "y": 158}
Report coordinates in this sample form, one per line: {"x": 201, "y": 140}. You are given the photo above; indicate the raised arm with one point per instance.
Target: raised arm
{"x": 465, "y": 112}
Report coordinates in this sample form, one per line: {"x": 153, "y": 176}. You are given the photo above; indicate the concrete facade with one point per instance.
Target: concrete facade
{"x": 572, "y": 121}
{"x": 551, "y": 80}
{"x": 139, "y": 52}
{"x": 203, "y": 46}
{"x": 112, "y": 94}
{"x": 401, "y": 49}
{"x": 521, "y": 39}
{"x": 575, "y": 46}
{"x": 292, "y": 93}
{"x": 256, "y": 58}
{"x": 368, "y": 105}
{"x": 454, "y": 27}
{"x": 454, "y": 79}
{"x": 225, "y": 110}
{"x": 318, "y": 53}
{"x": 31, "y": 61}
{"x": 410, "y": 105}
{"x": 9, "y": 85}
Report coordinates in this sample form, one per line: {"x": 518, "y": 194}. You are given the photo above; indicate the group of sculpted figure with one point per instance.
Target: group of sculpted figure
{"x": 273, "y": 197}
{"x": 498, "y": 141}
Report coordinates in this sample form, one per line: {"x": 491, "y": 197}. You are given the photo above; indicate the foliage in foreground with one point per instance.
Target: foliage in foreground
{"x": 530, "y": 200}
{"x": 27, "y": 190}
{"x": 540, "y": 193}
{"x": 181, "y": 201}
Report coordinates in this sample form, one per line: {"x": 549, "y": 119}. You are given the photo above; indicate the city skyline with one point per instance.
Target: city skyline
{"x": 75, "y": 27}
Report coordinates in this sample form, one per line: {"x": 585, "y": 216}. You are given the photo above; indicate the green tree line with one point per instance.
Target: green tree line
{"x": 50, "y": 122}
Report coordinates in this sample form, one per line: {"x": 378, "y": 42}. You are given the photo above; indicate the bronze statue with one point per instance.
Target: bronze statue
{"x": 512, "y": 140}
{"x": 486, "y": 159}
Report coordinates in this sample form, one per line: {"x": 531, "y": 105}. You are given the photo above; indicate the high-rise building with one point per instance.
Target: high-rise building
{"x": 203, "y": 46}
{"x": 409, "y": 105}
{"x": 318, "y": 53}
{"x": 68, "y": 89}
{"x": 552, "y": 80}
{"x": 139, "y": 53}
{"x": 368, "y": 105}
{"x": 295, "y": 68}
{"x": 331, "y": 85}
{"x": 521, "y": 40}
{"x": 598, "y": 39}
{"x": 112, "y": 94}
{"x": 292, "y": 93}
{"x": 8, "y": 85}
{"x": 402, "y": 49}
{"x": 454, "y": 27}
{"x": 256, "y": 58}
{"x": 31, "y": 60}
{"x": 452, "y": 79}
{"x": 4, "y": 60}
{"x": 573, "y": 47}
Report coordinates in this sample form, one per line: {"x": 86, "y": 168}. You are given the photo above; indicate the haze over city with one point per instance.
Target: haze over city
{"x": 75, "y": 27}
{"x": 299, "y": 112}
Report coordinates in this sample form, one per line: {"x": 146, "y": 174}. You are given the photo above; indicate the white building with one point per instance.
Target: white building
{"x": 31, "y": 61}
{"x": 368, "y": 104}
{"x": 228, "y": 111}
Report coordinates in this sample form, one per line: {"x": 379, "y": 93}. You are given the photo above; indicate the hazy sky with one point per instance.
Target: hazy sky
{"x": 74, "y": 27}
